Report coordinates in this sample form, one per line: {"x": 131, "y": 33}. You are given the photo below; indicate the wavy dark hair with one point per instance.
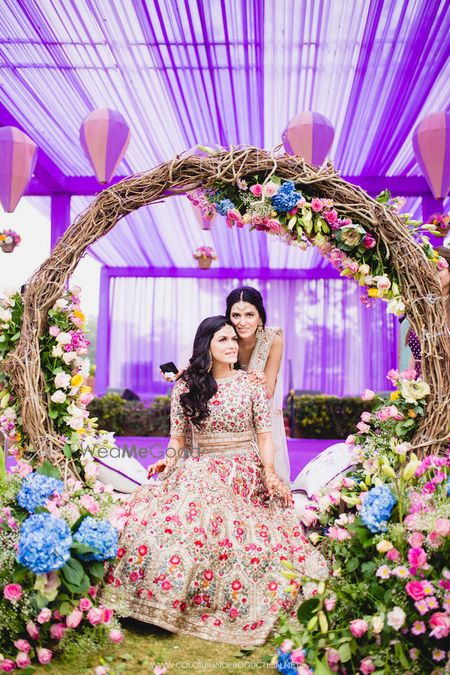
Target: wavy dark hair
{"x": 249, "y": 294}
{"x": 201, "y": 384}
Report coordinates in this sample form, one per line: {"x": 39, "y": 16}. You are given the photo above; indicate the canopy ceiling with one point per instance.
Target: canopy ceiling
{"x": 219, "y": 71}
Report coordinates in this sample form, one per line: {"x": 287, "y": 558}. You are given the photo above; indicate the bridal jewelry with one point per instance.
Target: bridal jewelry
{"x": 241, "y": 304}
{"x": 260, "y": 329}
{"x": 210, "y": 363}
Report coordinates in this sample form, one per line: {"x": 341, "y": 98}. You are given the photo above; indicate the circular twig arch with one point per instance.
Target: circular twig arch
{"x": 420, "y": 286}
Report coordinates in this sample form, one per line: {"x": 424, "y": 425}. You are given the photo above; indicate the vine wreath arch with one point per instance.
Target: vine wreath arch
{"x": 418, "y": 281}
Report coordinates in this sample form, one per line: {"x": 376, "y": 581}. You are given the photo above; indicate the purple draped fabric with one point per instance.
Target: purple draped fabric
{"x": 334, "y": 344}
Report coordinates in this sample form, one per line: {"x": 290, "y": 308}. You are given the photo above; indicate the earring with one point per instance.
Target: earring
{"x": 260, "y": 329}
{"x": 210, "y": 362}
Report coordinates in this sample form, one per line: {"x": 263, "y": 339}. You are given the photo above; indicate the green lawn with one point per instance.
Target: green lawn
{"x": 144, "y": 646}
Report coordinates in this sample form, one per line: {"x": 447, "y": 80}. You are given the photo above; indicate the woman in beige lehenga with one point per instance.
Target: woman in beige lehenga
{"x": 202, "y": 550}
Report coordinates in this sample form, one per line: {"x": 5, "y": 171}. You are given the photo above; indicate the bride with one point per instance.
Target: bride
{"x": 202, "y": 550}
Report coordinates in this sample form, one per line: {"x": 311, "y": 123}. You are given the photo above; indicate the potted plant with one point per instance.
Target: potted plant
{"x": 9, "y": 240}
{"x": 205, "y": 255}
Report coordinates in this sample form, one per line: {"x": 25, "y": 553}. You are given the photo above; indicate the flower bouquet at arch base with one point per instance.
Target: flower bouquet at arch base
{"x": 385, "y": 528}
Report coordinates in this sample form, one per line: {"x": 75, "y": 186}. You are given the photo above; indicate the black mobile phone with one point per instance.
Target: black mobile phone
{"x": 169, "y": 367}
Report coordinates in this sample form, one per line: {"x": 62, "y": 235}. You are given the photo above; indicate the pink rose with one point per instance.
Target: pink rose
{"x": 93, "y": 590}
{"x": 415, "y": 590}
{"x": 23, "y": 468}
{"x": 7, "y": 665}
{"x": 358, "y": 627}
{"x": 338, "y": 533}
{"x": 362, "y": 427}
{"x": 396, "y": 618}
{"x": 408, "y": 374}
{"x": 393, "y": 375}
{"x": 74, "y": 618}
{"x": 316, "y": 205}
{"x": 369, "y": 241}
{"x": 257, "y": 189}
{"x": 442, "y": 526}
{"x": 434, "y": 539}
{"x": 23, "y": 660}
{"x": 54, "y": 331}
{"x": 348, "y": 483}
{"x": 440, "y": 623}
{"x": 350, "y": 440}
{"x": 44, "y": 655}
{"x": 393, "y": 554}
{"x": 330, "y": 216}
{"x": 85, "y": 604}
{"x": 94, "y": 616}
{"x": 417, "y": 557}
{"x": 57, "y": 631}
{"x": 22, "y": 646}
{"x": 286, "y": 646}
{"x": 367, "y": 666}
{"x": 44, "y": 615}
{"x": 87, "y": 398}
{"x": 368, "y": 395}
{"x": 442, "y": 264}
{"x": 32, "y": 630}
{"x": 366, "y": 416}
{"x": 89, "y": 503}
{"x": 107, "y": 614}
{"x": 12, "y": 592}
{"x": 115, "y": 635}
{"x": 333, "y": 657}
{"x": 330, "y": 604}
{"x": 270, "y": 189}
{"x": 416, "y": 539}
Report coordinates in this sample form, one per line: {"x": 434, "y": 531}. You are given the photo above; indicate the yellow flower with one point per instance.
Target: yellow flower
{"x": 395, "y": 395}
{"x": 82, "y": 430}
{"x": 384, "y": 545}
{"x": 76, "y": 380}
{"x": 373, "y": 292}
{"x": 85, "y": 389}
{"x": 246, "y": 218}
{"x": 412, "y": 413}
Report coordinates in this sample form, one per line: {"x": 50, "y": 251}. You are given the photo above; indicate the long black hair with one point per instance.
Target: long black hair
{"x": 201, "y": 384}
{"x": 249, "y": 294}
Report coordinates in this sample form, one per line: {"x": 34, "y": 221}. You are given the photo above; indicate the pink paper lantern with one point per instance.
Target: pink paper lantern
{"x": 18, "y": 155}
{"x": 104, "y": 136}
{"x": 431, "y": 142}
{"x": 309, "y": 135}
{"x": 205, "y": 223}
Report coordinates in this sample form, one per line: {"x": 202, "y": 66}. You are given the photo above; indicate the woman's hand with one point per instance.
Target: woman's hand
{"x": 276, "y": 487}
{"x": 162, "y": 466}
{"x": 171, "y": 377}
{"x": 257, "y": 376}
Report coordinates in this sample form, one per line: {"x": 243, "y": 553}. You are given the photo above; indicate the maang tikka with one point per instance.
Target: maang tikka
{"x": 241, "y": 305}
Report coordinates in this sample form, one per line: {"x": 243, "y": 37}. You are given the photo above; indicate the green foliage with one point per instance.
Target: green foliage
{"x": 132, "y": 418}
{"x": 327, "y": 416}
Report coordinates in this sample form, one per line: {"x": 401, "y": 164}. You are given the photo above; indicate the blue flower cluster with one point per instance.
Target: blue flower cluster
{"x": 36, "y": 490}
{"x": 44, "y": 543}
{"x": 377, "y": 508}
{"x": 224, "y": 206}
{"x": 98, "y": 534}
{"x": 448, "y": 486}
{"x": 284, "y": 663}
{"x": 286, "y": 197}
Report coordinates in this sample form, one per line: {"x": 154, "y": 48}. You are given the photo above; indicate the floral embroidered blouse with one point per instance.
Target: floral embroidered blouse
{"x": 237, "y": 406}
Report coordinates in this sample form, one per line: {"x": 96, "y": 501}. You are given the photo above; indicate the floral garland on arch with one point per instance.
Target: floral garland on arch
{"x": 278, "y": 207}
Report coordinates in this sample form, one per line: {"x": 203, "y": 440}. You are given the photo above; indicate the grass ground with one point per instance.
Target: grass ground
{"x": 144, "y": 646}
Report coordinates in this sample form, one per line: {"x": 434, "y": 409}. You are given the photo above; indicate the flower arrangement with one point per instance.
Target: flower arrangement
{"x": 65, "y": 366}
{"x": 54, "y": 542}
{"x": 278, "y": 207}
{"x": 9, "y": 240}
{"x": 205, "y": 255}
{"x": 386, "y": 529}
{"x": 440, "y": 223}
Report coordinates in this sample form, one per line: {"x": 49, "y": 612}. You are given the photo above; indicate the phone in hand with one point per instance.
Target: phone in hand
{"x": 169, "y": 368}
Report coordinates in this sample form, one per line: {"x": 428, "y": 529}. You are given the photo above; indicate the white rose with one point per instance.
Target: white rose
{"x": 57, "y": 351}
{"x": 64, "y": 338}
{"x": 75, "y": 423}
{"x": 85, "y": 367}
{"x": 383, "y": 283}
{"x": 364, "y": 269}
{"x": 76, "y": 412}
{"x": 68, "y": 357}
{"x": 414, "y": 390}
{"x": 396, "y": 618}
{"x": 58, "y": 397}
{"x": 396, "y": 306}
{"x": 62, "y": 381}
{"x": 377, "y": 624}
{"x": 61, "y": 303}
{"x": 5, "y": 315}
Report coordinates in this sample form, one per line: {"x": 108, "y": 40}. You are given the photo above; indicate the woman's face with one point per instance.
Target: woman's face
{"x": 245, "y": 318}
{"x": 224, "y": 346}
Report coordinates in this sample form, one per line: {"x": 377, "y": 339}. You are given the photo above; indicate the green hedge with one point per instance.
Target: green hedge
{"x": 315, "y": 416}
{"x": 327, "y": 416}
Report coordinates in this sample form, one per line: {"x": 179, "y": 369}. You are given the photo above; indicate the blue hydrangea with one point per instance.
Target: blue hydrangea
{"x": 377, "y": 508}
{"x": 37, "y": 489}
{"x": 224, "y": 206}
{"x": 286, "y": 197}
{"x": 98, "y": 534}
{"x": 44, "y": 543}
{"x": 448, "y": 486}
{"x": 284, "y": 663}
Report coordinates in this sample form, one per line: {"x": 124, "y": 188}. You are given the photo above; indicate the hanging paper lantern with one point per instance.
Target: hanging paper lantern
{"x": 104, "y": 136}
{"x": 431, "y": 142}
{"x": 309, "y": 135}
{"x": 18, "y": 155}
{"x": 204, "y": 222}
